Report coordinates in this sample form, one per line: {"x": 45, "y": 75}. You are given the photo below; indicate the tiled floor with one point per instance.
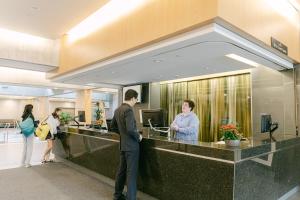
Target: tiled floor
{"x": 11, "y": 150}
{"x": 54, "y": 181}
{"x": 57, "y": 181}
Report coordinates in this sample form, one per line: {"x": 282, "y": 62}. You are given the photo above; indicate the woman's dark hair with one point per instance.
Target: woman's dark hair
{"x": 191, "y": 103}
{"x": 28, "y": 112}
{"x": 129, "y": 94}
{"x": 54, "y": 114}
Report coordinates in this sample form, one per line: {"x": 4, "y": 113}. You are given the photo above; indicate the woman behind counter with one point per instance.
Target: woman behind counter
{"x": 186, "y": 124}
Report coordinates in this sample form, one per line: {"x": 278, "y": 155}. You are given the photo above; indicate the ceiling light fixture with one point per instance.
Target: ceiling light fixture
{"x": 17, "y": 37}
{"x": 110, "y": 12}
{"x": 242, "y": 59}
{"x": 157, "y": 61}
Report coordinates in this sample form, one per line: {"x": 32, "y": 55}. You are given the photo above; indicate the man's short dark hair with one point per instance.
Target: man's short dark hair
{"x": 191, "y": 103}
{"x": 129, "y": 94}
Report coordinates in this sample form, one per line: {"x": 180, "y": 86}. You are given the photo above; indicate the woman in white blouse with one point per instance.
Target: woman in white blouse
{"x": 53, "y": 123}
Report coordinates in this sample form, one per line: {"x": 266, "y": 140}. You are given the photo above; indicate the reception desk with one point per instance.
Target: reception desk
{"x": 175, "y": 170}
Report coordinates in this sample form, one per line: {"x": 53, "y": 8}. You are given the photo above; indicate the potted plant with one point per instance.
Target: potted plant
{"x": 99, "y": 117}
{"x": 64, "y": 118}
{"x": 230, "y": 135}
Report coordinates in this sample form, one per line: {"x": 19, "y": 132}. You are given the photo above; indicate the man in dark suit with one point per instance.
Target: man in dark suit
{"x": 124, "y": 123}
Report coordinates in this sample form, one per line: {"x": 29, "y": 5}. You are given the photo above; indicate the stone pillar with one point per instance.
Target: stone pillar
{"x": 84, "y": 103}
{"x": 42, "y": 108}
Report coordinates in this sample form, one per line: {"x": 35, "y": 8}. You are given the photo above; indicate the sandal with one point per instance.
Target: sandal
{"x": 44, "y": 161}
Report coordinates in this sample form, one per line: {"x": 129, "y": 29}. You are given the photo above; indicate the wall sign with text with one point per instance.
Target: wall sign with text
{"x": 279, "y": 46}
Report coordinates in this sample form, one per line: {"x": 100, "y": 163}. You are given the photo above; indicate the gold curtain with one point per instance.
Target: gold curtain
{"x": 198, "y": 91}
{"x": 243, "y": 104}
{"x": 218, "y": 113}
{"x": 180, "y": 94}
{"x": 218, "y": 101}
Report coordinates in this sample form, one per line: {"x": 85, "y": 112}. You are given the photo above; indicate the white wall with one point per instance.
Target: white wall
{"x": 61, "y": 104}
{"x": 13, "y": 108}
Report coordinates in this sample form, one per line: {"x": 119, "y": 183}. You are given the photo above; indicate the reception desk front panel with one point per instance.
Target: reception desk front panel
{"x": 174, "y": 170}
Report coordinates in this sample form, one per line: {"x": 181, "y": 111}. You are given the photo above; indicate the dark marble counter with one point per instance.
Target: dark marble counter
{"x": 172, "y": 169}
{"x": 249, "y": 148}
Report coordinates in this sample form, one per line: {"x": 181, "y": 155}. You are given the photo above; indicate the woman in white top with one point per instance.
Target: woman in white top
{"x": 53, "y": 123}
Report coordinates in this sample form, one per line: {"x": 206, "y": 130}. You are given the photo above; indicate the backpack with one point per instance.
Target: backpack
{"x": 27, "y": 127}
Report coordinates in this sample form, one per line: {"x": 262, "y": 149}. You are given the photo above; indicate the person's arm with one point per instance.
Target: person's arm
{"x": 130, "y": 125}
{"x": 114, "y": 125}
{"x": 191, "y": 128}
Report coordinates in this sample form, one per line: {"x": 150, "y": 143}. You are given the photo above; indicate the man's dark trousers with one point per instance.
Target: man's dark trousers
{"x": 128, "y": 164}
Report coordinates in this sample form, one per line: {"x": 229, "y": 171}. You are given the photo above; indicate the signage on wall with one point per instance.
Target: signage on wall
{"x": 279, "y": 46}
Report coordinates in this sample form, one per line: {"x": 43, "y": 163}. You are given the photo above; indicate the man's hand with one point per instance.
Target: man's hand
{"x": 141, "y": 137}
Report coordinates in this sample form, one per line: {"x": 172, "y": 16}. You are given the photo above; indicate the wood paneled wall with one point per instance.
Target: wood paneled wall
{"x": 155, "y": 19}
{"x": 160, "y": 19}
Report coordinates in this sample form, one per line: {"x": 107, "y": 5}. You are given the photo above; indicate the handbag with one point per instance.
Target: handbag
{"x": 42, "y": 131}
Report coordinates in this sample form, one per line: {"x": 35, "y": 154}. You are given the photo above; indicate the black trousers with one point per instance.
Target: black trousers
{"x": 127, "y": 172}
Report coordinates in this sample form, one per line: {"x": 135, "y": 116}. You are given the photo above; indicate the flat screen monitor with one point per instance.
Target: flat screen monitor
{"x": 81, "y": 116}
{"x": 157, "y": 118}
{"x": 266, "y": 122}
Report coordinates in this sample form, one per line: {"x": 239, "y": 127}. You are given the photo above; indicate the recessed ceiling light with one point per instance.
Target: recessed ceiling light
{"x": 242, "y": 59}
{"x": 157, "y": 61}
{"x": 177, "y": 75}
{"x": 91, "y": 84}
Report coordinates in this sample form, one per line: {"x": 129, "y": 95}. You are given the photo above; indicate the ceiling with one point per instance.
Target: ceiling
{"x": 23, "y": 91}
{"x": 49, "y": 19}
{"x": 200, "y": 52}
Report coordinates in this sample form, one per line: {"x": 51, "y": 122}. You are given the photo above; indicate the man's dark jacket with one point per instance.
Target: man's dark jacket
{"x": 124, "y": 123}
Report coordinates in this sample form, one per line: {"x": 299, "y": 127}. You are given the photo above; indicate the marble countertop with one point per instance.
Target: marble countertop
{"x": 251, "y": 147}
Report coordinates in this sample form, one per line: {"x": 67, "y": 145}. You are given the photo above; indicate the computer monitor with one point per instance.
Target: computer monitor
{"x": 266, "y": 123}
{"x": 157, "y": 118}
{"x": 81, "y": 116}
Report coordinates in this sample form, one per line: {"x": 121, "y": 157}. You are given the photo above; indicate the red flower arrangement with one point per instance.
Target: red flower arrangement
{"x": 230, "y": 132}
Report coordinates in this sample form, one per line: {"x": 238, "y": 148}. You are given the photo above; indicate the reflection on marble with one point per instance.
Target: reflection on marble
{"x": 174, "y": 170}
{"x": 162, "y": 174}
{"x": 268, "y": 177}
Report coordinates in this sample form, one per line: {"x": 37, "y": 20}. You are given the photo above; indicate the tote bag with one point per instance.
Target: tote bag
{"x": 42, "y": 131}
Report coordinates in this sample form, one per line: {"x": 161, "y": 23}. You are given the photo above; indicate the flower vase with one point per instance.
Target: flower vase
{"x": 233, "y": 143}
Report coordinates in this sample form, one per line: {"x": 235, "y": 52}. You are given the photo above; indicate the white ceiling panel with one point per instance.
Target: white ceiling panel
{"x": 49, "y": 19}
